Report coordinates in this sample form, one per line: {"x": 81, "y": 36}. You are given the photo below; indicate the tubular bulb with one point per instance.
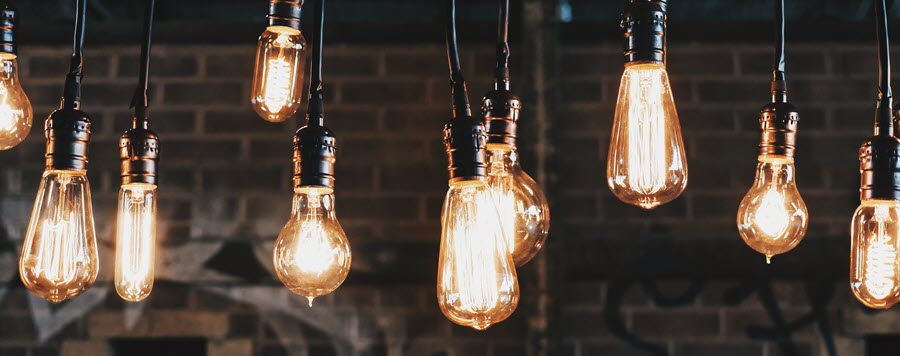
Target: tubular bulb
{"x": 278, "y": 75}
{"x": 59, "y": 257}
{"x": 646, "y": 165}
{"x": 477, "y": 283}
{"x": 135, "y": 241}
{"x": 772, "y": 218}
{"x": 15, "y": 108}
{"x": 524, "y": 214}
{"x": 312, "y": 254}
{"x": 874, "y": 257}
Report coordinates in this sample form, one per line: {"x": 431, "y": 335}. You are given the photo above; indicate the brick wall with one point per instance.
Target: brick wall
{"x": 676, "y": 281}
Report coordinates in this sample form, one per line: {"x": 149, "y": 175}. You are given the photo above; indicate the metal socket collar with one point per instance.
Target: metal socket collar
{"x": 644, "y": 23}
{"x": 879, "y": 167}
{"x": 778, "y": 122}
{"x": 466, "y": 141}
{"x": 139, "y": 154}
{"x": 285, "y": 13}
{"x": 9, "y": 18}
{"x": 501, "y": 113}
{"x": 314, "y": 156}
{"x": 68, "y": 134}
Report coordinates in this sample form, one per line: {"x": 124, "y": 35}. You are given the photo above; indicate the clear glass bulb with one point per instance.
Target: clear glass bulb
{"x": 312, "y": 254}
{"x": 646, "y": 166}
{"x": 772, "y": 218}
{"x": 477, "y": 282}
{"x": 523, "y": 208}
{"x": 874, "y": 257}
{"x": 278, "y": 75}
{"x": 135, "y": 241}
{"x": 59, "y": 257}
{"x": 15, "y": 108}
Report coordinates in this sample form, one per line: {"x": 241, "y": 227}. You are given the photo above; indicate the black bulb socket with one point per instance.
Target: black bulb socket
{"x": 778, "y": 121}
{"x": 139, "y": 156}
{"x": 9, "y": 19}
{"x": 465, "y": 139}
{"x": 68, "y": 134}
{"x": 501, "y": 110}
{"x": 644, "y": 23}
{"x": 879, "y": 167}
{"x": 314, "y": 156}
{"x": 285, "y": 13}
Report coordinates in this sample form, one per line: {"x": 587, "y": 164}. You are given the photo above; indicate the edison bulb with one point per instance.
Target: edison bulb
{"x": 278, "y": 75}
{"x": 135, "y": 241}
{"x": 646, "y": 166}
{"x": 15, "y": 108}
{"x": 772, "y": 218}
{"x": 523, "y": 209}
{"x": 477, "y": 282}
{"x": 59, "y": 257}
{"x": 312, "y": 254}
{"x": 874, "y": 257}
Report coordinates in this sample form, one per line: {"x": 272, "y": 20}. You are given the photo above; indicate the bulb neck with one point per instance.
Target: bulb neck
{"x": 779, "y": 122}
{"x": 68, "y": 134}
{"x": 9, "y": 20}
{"x": 314, "y": 156}
{"x": 285, "y": 13}
{"x": 139, "y": 156}
{"x": 644, "y": 26}
{"x": 879, "y": 166}
{"x": 465, "y": 140}
{"x": 501, "y": 109}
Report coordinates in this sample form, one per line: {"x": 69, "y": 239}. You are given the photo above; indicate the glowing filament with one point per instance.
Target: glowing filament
{"x": 646, "y": 133}
{"x": 278, "y": 83}
{"x": 58, "y": 251}
{"x": 772, "y": 218}
{"x": 9, "y": 116}
{"x": 881, "y": 271}
{"x": 478, "y": 274}
{"x": 135, "y": 248}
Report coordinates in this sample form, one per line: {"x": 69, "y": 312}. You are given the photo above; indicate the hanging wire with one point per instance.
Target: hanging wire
{"x": 458, "y": 83}
{"x": 501, "y": 73}
{"x": 883, "y": 114}
{"x": 140, "y": 102}
{"x": 779, "y": 83}
{"x": 72, "y": 90}
{"x": 316, "y": 109}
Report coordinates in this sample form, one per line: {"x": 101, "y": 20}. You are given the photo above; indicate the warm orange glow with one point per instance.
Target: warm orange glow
{"x": 278, "y": 75}
{"x": 135, "y": 241}
{"x": 874, "y": 257}
{"x": 15, "y": 108}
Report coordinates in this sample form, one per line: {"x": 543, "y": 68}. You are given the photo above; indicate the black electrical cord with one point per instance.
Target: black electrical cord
{"x": 316, "y": 109}
{"x": 140, "y": 102}
{"x": 72, "y": 91}
{"x": 461, "y": 106}
{"x": 779, "y": 84}
{"x": 501, "y": 73}
{"x": 883, "y": 115}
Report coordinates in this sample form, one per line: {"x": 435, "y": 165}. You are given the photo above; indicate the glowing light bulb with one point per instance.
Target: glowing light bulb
{"x": 278, "y": 76}
{"x": 312, "y": 254}
{"x": 646, "y": 165}
{"x": 15, "y": 108}
{"x": 135, "y": 241}
{"x": 874, "y": 257}
{"x": 772, "y": 218}
{"x": 477, "y": 282}
{"x": 523, "y": 209}
{"x": 59, "y": 256}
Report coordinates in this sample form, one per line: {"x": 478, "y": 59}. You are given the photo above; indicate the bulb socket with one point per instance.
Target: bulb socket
{"x": 778, "y": 122}
{"x": 314, "y": 155}
{"x": 68, "y": 134}
{"x": 644, "y": 24}
{"x": 501, "y": 110}
{"x": 9, "y": 19}
{"x": 139, "y": 155}
{"x": 285, "y": 13}
{"x": 879, "y": 167}
{"x": 466, "y": 142}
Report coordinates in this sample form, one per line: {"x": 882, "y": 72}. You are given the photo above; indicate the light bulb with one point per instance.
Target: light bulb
{"x": 523, "y": 209}
{"x": 646, "y": 164}
{"x": 772, "y": 218}
{"x": 278, "y": 75}
{"x": 312, "y": 254}
{"x": 477, "y": 282}
{"x": 59, "y": 256}
{"x": 874, "y": 257}
{"x": 15, "y": 108}
{"x": 135, "y": 241}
